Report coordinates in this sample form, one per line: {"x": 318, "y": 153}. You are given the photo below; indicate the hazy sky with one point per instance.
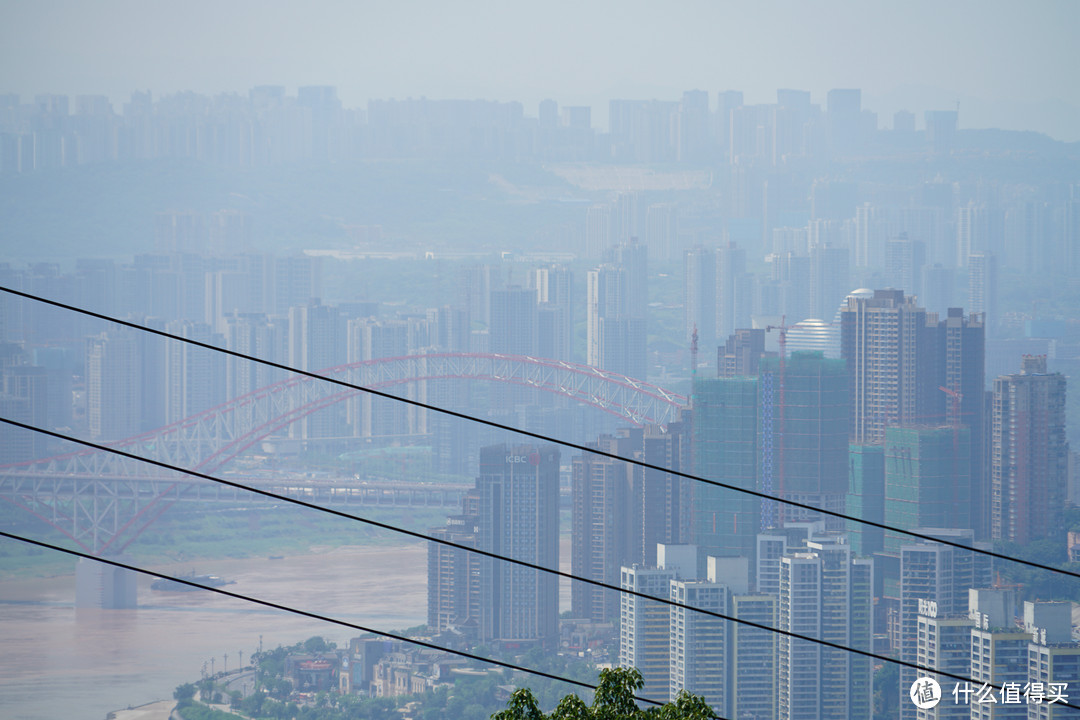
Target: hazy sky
{"x": 1010, "y": 64}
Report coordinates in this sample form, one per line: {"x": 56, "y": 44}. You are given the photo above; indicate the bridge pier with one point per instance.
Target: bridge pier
{"x": 105, "y": 587}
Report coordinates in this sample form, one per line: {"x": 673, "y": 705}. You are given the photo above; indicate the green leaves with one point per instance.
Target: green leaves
{"x": 614, "y": 701}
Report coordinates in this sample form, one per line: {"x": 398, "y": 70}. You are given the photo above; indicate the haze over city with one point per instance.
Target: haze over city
{"x": 1008, "y": 64}
{"x": 421, "y": 361}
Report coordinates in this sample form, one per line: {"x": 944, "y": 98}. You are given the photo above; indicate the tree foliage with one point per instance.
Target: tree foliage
{"x": 1040, "y": 584}
{"x": 614, "y": 700}
{"x": 184, "y": 694}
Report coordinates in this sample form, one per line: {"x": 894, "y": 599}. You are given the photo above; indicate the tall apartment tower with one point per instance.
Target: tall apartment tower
{"x": 317, "y": 337}
{"x": 633, "y": 257}
{"x": 753, "y": 690}
{"x": 113, "y": 387}
{"x": 971, "y": 232}
{"x": 620, "y": 512}
{"x": 194, "y": 376}
{"x": 603, "y": 514}
{"x": 938, "y": 574}
{"x": 909, "y": 369}
{"x": 982, "y": 286}
{"x": 904, "y": 260}
{"x": 514, "y": 321}
{"x": 884, "y": 340}
{"x": 825, "y": 593}
{"x": 962, "y": 388}
{"x": 253, "y": 334}
{"x": 663, "y": 512}
{"x": 943, "y": 643}
{"x": 24, "y": 396}
{"x": 700, "y": 654}
{"x": 555, "y": 313}
{"x": 615, "y": 335}
{"x": 1053, "y": 656}
{"x": 999, "y": 650}
{"x": 645, "y": 626}
{"x": 734, "y": 299}
{"x": 699, "y": 300}
{"x": 453, "y": 587}
{"x": 605, "y": 296}
{"x": 1029, "y": 453}
{"x": 518, "y": 489}
{"x": 317, "y": 340}
{"x": 369, "y": 339}
{"x": 730, "y": 664}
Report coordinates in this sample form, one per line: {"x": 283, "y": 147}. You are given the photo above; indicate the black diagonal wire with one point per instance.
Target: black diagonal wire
{"x": 314, "y": 615}
{"x": 496, "y": 556}
{"x": 538, "y": 436}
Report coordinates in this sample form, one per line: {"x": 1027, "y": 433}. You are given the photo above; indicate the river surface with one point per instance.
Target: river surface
{"x": 62, "y": 663}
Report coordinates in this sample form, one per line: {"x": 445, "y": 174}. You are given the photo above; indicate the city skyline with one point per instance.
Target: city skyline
{"x": 729, "y": 342}
{"x": 951, "y": 53}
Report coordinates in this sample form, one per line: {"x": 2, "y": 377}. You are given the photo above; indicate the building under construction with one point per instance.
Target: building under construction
{"x": 803, "y": 436}
{"x": 724, "y": 426}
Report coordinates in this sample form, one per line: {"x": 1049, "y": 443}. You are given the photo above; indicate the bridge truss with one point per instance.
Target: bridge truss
{"x": 103, "y": 501}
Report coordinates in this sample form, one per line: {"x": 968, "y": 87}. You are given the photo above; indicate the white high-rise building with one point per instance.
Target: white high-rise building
{"x": 700, "y": 655}
{"x": 943, "y": 643}
{"x": 999, "y": 650}
{"x": 932, "y": 574}
{"x": 645, "y": 627}
{"x": 982, "y": 286}
{"x": 827, "y": 594}
{"x": 113, "y": 387}
{"x": 194, "y": 376}
{"x": 970, "y": 232}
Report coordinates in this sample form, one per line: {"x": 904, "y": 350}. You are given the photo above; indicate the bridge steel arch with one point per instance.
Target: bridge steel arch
{"x": 85, "y": 482}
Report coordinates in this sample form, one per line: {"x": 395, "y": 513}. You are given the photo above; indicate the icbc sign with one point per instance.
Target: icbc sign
{"x": 531, "y": 458}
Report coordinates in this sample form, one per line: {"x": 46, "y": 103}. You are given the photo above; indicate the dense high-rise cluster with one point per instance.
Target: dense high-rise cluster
{"x": 766, "y": 297}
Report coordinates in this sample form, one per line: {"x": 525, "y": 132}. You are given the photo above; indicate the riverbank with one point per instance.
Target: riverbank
{"x": 191, "y": 534}
{"x": 128, "y": 658}
{"x": 160, "y": 710}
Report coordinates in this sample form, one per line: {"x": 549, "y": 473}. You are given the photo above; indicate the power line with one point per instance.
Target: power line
{"x": 314, "y": 615}
{"x": 496, "y": 556}
{"x": 539, "y": 436}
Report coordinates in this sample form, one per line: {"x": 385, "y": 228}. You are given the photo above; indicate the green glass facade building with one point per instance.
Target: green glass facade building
{"x": 803, "y": 436}
{"x": 927, "y": 480}
{"x": 866, "y": 497}
{"x": 725, "y": 429}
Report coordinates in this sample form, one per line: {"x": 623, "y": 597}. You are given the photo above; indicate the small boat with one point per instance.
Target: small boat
{"x": 170, "y": 585}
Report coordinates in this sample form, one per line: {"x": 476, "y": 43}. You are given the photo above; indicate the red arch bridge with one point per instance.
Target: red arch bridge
{"x": 103, "y": 501}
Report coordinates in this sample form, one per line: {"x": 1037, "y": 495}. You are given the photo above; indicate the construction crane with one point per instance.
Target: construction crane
{"x": 772, "y": 512}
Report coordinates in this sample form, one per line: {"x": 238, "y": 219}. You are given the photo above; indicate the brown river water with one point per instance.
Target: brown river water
{"x": 62, "y": 663}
